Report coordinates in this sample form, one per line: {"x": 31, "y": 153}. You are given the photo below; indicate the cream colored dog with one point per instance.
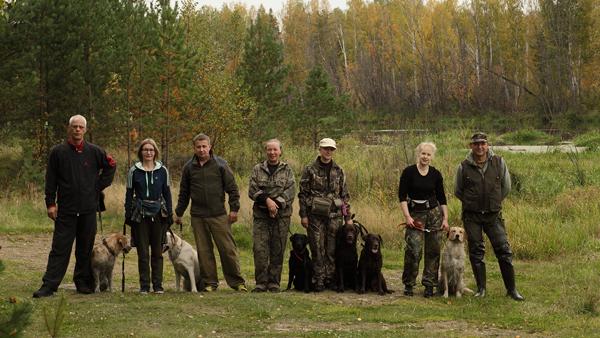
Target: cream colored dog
{"x": 185, "y": 263}
{"x": 103, "y": 259}
{"x": 453, "y": 264}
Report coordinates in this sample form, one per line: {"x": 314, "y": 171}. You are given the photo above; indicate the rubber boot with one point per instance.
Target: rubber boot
{"x": 508, "y": 276}
{"x": 479, "y": 274}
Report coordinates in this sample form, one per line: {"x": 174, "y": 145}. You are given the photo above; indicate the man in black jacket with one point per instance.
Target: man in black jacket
{"x": 77, "y": 172}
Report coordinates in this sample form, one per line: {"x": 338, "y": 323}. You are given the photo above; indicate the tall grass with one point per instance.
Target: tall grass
{"x": 548, "y": 213}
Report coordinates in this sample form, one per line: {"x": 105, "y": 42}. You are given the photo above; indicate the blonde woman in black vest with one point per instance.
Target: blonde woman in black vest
{"x": 482, "y": 183}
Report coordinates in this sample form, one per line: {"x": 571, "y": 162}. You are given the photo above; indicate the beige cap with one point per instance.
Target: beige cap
{"x": 327, "y": 142}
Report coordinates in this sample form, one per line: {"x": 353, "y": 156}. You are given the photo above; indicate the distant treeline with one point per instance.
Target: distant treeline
{"x": 148, "y": 68}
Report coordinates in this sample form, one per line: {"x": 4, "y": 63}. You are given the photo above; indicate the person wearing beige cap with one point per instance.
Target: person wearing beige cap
{"x": 482, "y": 183}
{"x": 324, "y": 208}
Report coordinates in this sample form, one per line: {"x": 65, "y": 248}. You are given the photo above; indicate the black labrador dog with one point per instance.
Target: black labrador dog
{"x": 300, "y": 264}
{"x": 346, "y": 258}
{"x": 369, "y": 266}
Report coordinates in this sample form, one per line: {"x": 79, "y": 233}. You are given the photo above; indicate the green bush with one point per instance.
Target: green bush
{"x": 590, "y": 139}
{"x": 527, "y": 137}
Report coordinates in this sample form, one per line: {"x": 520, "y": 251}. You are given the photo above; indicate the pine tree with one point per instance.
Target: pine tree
{"x": 263, "y": 72}
{"x": 322, "y": 114}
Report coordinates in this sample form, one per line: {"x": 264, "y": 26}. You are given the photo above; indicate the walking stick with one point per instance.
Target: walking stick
{"x": 123, "y": 263}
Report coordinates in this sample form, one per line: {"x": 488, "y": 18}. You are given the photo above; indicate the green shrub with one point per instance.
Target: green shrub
{"x": 527, "y": 137}
{"x": 589, "y": 139}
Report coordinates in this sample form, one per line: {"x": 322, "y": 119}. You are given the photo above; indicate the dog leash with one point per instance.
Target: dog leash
{"x": 123, "y": 263}
{"x": 420, "y": 229}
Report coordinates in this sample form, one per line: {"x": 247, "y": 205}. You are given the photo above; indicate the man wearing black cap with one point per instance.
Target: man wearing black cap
{"x": 482, "y": 182}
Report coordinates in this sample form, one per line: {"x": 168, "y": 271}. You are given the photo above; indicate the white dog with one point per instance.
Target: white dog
{"x": 453, "y": 264}
{"x": 185, "y": 263}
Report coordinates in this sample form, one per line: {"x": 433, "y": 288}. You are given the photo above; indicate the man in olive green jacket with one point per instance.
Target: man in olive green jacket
{"x": 482, "y": 183}
{"x": 272, "y": 188}
{"x": 205, "y": 179}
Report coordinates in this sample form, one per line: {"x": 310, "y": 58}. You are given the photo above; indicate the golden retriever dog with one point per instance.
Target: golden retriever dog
{"x": 453, "y": 264}
{"x": 103, "y": 259}
{"x": 185, "y": 263}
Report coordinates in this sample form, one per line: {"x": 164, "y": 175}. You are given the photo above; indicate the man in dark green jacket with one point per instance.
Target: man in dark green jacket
{"x": 482, "y": 182}
{"x": 205, "y": 179}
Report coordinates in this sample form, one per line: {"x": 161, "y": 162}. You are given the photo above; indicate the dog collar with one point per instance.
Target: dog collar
{"x": 108, "y": 247}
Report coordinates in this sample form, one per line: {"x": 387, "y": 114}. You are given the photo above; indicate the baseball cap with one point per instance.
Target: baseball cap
{"x": 479, "y": 137}
{"x": 327, "y": 143}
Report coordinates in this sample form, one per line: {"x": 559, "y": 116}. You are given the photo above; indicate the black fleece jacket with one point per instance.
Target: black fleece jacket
{"x": 74, "y": 179}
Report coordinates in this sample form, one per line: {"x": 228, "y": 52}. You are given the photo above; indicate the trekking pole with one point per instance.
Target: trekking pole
{"x": 123, "y": 263}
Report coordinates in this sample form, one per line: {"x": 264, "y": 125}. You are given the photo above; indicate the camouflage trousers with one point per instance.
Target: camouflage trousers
{"x": 418, "y": 241}
{"x": 270, "y": 238}
{"x": 321, "y": 238}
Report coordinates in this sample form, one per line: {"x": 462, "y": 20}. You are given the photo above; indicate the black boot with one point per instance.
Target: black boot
{"x": 508, "y": 276}
{"x": 408, "y": 290}
{"x": 479, "y": 274}
{"x": 428, "y": 292}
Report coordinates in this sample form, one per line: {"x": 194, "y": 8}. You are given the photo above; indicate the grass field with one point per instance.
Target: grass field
{"x": 552, "y": 219}
{"x": 562, "y": 301}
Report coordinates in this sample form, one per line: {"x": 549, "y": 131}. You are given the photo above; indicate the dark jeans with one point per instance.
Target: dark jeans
{"x": 68, "y": 228}
{"x": 149, "y": 237}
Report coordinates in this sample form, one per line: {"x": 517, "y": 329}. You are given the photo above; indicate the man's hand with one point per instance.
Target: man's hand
{"x": 304, "y": 222}
{"x": 272, "y": 206}
{"x": 233, "y": 217}
{"x": 178, "y": 220}
{"x": 52, "y": 212}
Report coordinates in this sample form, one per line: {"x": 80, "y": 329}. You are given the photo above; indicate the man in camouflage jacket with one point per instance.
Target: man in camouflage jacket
{"x": 324, "y": 207}
{"x": 272, "y": 188}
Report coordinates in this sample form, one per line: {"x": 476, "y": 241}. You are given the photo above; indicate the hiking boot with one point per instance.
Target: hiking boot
{"x": 274, "y": 288}
{"x": 241, "y": 288}
{"x": 85, "y": 290}
{"x": 408, "y": 291}
{"x": 259, "y": 288}
{"x": 159, "y": 290}
{"x": 210, "y": 288}
{"x": 43, "y": 292}
{"x": 428, "y": 293}
{"x": 144, "y": 291}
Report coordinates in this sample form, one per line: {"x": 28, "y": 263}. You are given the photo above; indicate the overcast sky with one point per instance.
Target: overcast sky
{"x": 276, "y": 5}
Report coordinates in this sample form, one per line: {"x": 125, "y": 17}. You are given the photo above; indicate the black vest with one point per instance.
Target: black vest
{"x": 482, "y": 192}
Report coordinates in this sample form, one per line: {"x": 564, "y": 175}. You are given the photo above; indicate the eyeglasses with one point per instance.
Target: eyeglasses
{"x": 148, "y": 150}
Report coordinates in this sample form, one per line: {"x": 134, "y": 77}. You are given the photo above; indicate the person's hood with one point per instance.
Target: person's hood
{"x": 157, "y": 165}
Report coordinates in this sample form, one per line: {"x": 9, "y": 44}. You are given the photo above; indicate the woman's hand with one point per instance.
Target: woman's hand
{"x": 410, "y": 222}
{"x": 445, "y": 225}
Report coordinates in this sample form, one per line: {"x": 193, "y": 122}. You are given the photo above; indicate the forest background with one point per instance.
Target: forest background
{"x": 159, "y": 69}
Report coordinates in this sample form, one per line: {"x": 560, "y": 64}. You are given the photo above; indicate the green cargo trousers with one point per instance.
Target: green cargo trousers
{"x": 431, "y": 241}
{"x": 207, "y": 229}
{"x": 270, "y": 237}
